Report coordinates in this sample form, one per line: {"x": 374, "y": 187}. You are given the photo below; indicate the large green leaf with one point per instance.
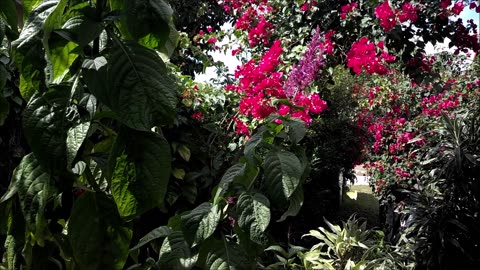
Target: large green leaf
{"x": 201, "y": 222}
{"x": 224, "y": 255}
{"x": 29, "y": 51}
{"x": 138, "y": 89}
{"x": 97, "y": 234}
{"x": 35, "y": 187}
{"x": 140, "y": 181}
{"x": 253, "y": 214}
{"x": 283, "y": 172}
{"x": 175, "y": 253}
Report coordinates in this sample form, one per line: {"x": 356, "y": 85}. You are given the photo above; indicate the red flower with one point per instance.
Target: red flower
{"x": 458, "y": 8}
{"x": 212, "y": 40}
{"x": 386, "y": 15}
{"x": 198, "y": 116}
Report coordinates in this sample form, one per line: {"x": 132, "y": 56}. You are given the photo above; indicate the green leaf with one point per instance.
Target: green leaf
{"x": 252, "y": 144}
{"x": 29, "y": 51}
{"x": 160, "y": 232}
{"x": 9, "y": 13}
{"x": 178, "y": 173}
{"x": 80, "y": 29}
{"x": 35, "y": 187}
{"x": 295, "y": 204}
{"x": 4, "y": 110}
{"x": 223, "y": 255}
{"x": 230, "y": 175}
{"x": 175, "y": 253}
{"x": 15, "y": 241}
{"x": 150, "y": 23}
{"x": 60, "y": 53}
{"x": 29, "y": 5}
{"x": 241, "y": 173}
{"x": 296, "y": 129}
{"x": 138, "y": 88}
{"x": 79, "y": 131}
{"x": 253, "y": 214}
{"x": 97, "y": 234}
{"x": 45, "y": 124}
{"x": 140, "y": 180}
{"x": 282, "y": 174}
{"x": 201, "y": 222}
{"x": 3, "y": 76}
{"x": 184, "y": 152}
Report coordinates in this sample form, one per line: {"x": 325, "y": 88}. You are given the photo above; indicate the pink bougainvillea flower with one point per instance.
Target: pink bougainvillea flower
{"x": 458, "y": 8}
{"x": 212, "y": 40}
{"x": 386, "y": 15}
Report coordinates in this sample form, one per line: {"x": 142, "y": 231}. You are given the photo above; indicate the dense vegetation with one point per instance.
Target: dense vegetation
{"x": 114, "y": 157}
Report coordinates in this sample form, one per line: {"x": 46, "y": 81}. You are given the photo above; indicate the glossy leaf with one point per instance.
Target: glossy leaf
{"x": 282, "y": 174}
{"x": 175, "y": 253}
{"x": 98, "y": 236}
{"x": 253, "y": 214}
{"x": 201, "y": 222}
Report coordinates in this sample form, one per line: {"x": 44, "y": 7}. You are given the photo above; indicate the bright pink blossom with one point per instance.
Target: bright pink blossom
{"x": 386, "y": 15}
